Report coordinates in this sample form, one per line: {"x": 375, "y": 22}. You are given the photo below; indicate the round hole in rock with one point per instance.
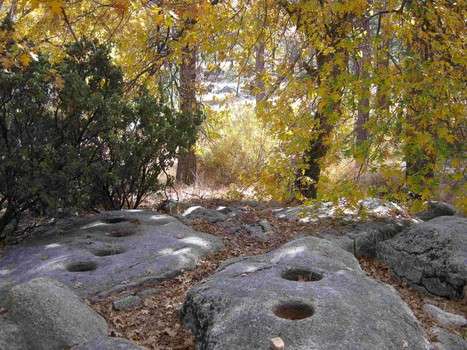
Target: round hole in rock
{"x": 81, "y": 266}
{"x": 301, "y": 275}
{"x": 121, "y": 233}
{"x": 106, "y": 251}
{"x": 293, "y": 311}
{"x": 115, "y": 220}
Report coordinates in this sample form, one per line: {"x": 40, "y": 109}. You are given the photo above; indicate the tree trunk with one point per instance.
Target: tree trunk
{"x": 382, "y": 64}
{"x": 363, "y": 114}
{"x": 186, "y": 166}
{"x": 313, "y": 155}
{"x": 259, "y": 72}
{"x": 307, "y": 181}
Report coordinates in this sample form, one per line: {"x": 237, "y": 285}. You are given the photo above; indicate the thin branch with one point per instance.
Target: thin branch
{"x": 65, "y": 17}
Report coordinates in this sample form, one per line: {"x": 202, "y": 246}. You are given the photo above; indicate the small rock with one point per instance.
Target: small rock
{"x": 445, "y": 318}
{"x": 127, "y": 303}
{"x": 277, "y": 344}
{"x": 148, "y": 292}
{"x": 448, "y": 341}
{"x": 260, "y": 230}
{"x": 230, "y": 227}
{"x": 436, "y": 209}
{"x": 201, "y": 213}
{"x": 265, "y": 225}
{"x": 108, "y": 343}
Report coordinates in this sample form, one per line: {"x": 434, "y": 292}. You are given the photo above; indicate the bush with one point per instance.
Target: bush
{"x": 236, "y": 153}
{"x": 70, "y": 138}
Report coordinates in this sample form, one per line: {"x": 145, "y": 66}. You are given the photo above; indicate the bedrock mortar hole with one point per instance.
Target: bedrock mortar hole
{"x": 108, "y": 251}
{"x": 115, "y": 220}
{"x": 81, "y": 266}
{"x": 301, "y": 275}
{"x": 121, "y": 233}
{"x": 293, "y": 311}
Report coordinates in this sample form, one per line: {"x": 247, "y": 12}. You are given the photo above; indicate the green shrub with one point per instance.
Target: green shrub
{"x": 70, "y": 138}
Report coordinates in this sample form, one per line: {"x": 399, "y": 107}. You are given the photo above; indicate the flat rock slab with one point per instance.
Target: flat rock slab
{"x": 431, "y": 256}
{"x": 362, "y": 239}
{"x": 106, "y": 252}
{"x": 310, "y": 293}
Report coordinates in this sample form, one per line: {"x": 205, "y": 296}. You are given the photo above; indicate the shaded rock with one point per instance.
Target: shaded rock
{"x": 108, "y": 252}
{"x": 11, "y": 336}
{"x": 230, "y": 227}
{"x": 431, "y": 256}
{"x": 436, "y": 209}
{"x": 362, "y": 239}
{"x": 445, "y": 318}
{"x": 201, "y": 213}
{"x": 310, "y": 293}
{"x": 108, "y": 343}
{"x": 261, "y": 230}
{"x": 127, "y": 303}
{"x": 448, "y": 341}
{"x": 148, "y": 292}
{"x": 51, "y": 316}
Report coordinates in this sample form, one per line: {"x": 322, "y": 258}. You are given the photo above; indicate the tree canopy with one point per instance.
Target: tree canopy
{"x": 377, "y": 83}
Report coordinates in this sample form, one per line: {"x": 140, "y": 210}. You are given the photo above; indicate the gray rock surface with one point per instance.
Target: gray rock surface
{"x": 107, "y": 252}
{"x": 445, "y": 318}
{"x": 261, "y": 230}
{"x": 51, "y": 316}
{"x": 108, "y": 343}
{"x": 431, "y": 256}
{"x": 11, "y": 336}
{"x": 362, "y": 239}
{"x": 435, "y": 209}
{"x": 127, "y": 303}
{"x": 310, "y": 293}
{"x": 317, "y": 211}
{"x": 201, "y": 213}
{"x": 448, "y": 341}
{"x": 149, "y": 292}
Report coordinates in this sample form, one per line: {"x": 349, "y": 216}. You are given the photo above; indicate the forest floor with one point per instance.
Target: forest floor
{"x": 156, "y": 324}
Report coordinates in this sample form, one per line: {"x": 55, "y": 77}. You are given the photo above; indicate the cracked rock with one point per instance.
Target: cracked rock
{"x": 431, "y": 255}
